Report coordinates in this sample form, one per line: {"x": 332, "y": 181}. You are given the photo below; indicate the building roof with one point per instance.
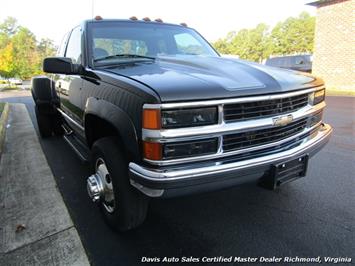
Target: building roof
{"x": 320, "y": 2}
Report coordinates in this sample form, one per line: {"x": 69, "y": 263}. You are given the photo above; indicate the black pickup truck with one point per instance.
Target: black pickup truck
{"x": 158, "y": 113}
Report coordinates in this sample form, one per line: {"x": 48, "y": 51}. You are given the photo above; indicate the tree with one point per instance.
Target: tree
{"x": 294, "y": 35}
{"x": 251, "y": 44}
{"x": 223, "y": 45}
{"x": 7, "y": 29}
{"x": 9, "y": 26}
{"x": 7, "y": 66}
{"x": 46, "y": 47}
{"x": 26, "y": 56}
{"x": 20, "y": 54}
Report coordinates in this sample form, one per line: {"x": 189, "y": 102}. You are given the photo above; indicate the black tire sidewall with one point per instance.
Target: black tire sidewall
{"x": 130, "y": 205}
{"x": 56, "y": 121}
{"x": 44, "y": 123}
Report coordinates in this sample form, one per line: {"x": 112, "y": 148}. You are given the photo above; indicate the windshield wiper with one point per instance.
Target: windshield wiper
{"x": 123, "y": 56}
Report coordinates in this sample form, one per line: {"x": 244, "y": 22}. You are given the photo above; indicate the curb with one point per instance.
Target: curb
{"x": 35, "y": 225}
{"x": 3, "y": 120}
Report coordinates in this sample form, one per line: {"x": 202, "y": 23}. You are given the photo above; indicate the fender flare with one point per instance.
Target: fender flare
{"x": 118, "y": 118}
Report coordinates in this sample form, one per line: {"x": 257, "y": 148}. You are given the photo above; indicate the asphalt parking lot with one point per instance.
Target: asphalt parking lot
{"x": 314, "y": 216}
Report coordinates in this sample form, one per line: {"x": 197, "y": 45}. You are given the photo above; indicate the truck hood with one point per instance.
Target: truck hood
{"x": 199, "y": 78}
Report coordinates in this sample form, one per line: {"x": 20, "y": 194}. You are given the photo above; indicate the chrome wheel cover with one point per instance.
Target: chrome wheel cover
{"x": 107, "y": 197}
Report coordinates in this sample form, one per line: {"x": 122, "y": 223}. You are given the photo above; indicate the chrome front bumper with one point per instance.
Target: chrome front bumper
{"x": 158, "y": 182}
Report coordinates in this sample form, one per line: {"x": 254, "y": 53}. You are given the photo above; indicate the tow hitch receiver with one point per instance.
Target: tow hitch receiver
{"x": 285, "y": 172}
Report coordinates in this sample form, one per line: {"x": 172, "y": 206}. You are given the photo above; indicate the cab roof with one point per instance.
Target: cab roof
{"x": 133, "y": 21}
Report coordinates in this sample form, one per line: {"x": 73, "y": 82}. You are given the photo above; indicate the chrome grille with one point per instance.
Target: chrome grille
{"x": 263, "y": 136}
{"x": 261, "y": 109}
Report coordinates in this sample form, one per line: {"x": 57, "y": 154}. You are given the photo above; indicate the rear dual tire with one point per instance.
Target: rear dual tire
{"x": 46, "y": 99}
{"x": 48, "y": 123}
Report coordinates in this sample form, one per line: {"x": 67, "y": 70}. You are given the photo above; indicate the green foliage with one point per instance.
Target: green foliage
{"x": 9, "y": 26}
{"x": 292, "y": 36}
{"x": 20, "y": 53}
{"x": 46, "y": 47}
{"x": 7, "y": 66}
{"x": 2, "y": 105}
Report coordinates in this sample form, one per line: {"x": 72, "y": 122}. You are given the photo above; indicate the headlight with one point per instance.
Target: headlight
{"x": 189, "y": 117}
{"x": 159, "y": 151}
{"x": 317, "y": 97}
{"x": 157, "y": 119}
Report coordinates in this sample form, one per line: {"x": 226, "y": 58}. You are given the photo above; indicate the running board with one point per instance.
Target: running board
{"x": 67, "y": 130}
{"x": 78, "y": 147}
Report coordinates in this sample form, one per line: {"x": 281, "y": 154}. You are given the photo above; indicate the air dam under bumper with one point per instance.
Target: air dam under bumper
{"x": 182, "y": 181}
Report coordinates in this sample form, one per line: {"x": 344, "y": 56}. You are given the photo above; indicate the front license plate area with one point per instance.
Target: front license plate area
{"x": 285, "y": 172}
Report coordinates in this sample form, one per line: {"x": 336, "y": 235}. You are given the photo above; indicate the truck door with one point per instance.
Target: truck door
{"x": 69, "y": 86}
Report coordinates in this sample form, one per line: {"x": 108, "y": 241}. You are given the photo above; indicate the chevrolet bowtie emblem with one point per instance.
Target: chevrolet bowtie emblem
{"x": 282, "y": 120}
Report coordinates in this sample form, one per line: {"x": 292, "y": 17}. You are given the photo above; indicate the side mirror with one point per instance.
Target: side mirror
{"x": 60, "y": 65}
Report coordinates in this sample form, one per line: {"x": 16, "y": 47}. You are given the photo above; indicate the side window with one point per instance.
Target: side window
{"x": 186, "y": 44}
{"x": 74, "y": 46}
{"x": 63, "y": 45}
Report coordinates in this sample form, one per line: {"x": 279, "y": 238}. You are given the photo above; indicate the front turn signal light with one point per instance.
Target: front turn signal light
{"x": 152, "y": 151}
{"x": 151, "y": 119}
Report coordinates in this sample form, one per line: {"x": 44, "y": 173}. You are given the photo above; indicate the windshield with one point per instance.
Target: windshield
{"x": 113, "y": 40}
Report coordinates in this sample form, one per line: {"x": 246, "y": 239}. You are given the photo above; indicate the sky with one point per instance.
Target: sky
{"x": 212, "y": 18}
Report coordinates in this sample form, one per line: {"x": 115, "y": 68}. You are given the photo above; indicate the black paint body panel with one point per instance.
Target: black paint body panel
{"x": 200, "y": 78}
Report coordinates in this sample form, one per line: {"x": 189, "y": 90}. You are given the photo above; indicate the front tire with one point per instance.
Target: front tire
{"x": 123, "y": 206}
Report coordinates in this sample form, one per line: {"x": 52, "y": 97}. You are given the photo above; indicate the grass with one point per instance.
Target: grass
{"x": 2, "y": 105}
{"x": 3, "y": 118}
{"x": 340, "y": 92}
{"x": 9, "y": 88}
